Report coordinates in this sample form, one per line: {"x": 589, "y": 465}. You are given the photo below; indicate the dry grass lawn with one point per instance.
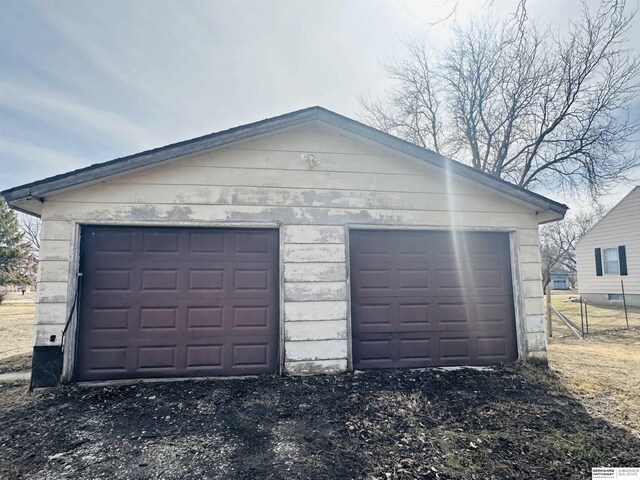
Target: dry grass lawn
{"x": 603, "y": 370}
{"x": 600, "y": 317}
{"x": 16, "y": 332}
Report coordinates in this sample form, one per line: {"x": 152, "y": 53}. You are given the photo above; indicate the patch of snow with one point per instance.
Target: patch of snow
{"x": 57, "y": 455}
{"x": 15, "y": 377}
{"x": 463, "y": 367}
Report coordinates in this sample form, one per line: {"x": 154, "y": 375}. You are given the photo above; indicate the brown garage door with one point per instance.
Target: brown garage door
{"x": 431, "y": 299}
{"x": 169, "y": 302}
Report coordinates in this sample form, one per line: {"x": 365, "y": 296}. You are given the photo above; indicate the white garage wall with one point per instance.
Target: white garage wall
{"x": 270, "y": 181}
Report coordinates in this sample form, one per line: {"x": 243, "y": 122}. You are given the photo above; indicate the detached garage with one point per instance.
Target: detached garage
{"x": 166, "y": 302}
{"x": 306, "y": 243}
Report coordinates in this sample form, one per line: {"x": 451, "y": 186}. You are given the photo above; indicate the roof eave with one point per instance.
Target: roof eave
{"x": 441, "y": 161}
{"x": 93, "y": 173}
{"x": 595, "y": 225}
{"x": 157, "y": 155}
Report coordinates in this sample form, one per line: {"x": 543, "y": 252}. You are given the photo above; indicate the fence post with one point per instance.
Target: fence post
{"x": 549, "y": 328}
{"x": 581, "y": 317}
{"x": 586, "y": 315}
{"x": 624, "y": 302}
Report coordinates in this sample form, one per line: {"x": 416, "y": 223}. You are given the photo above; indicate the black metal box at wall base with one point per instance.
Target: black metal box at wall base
{"x": 46, "y": 366}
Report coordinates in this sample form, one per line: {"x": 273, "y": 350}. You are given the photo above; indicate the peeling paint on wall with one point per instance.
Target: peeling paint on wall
{"x": 267, "y": 185}
{"x": 152, "y": 213}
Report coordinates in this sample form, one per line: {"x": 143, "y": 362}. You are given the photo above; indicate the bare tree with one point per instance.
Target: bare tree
{"x": 558, "y": 241}
{"x": 518, "y": 101}
{"x": 415, "y": 110}
{"x": 30, "y": 227}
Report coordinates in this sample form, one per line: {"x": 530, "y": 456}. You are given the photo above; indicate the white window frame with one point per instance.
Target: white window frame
{"x": 605, "y": 270}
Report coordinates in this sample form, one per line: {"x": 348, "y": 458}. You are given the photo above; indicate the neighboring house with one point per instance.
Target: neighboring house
{"x": 304, "y": 243}
{"x": 610, "y": 254}
{"x": 559, "y": 280}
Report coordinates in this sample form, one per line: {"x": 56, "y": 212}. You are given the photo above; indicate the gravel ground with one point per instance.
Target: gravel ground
{"x": 513, "y": 422}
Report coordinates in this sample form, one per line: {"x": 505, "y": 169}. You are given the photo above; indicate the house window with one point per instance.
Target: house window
{"x": 610, "y": 261}
{"x": 615, "y": 297}
{"x": 559, "y": 283}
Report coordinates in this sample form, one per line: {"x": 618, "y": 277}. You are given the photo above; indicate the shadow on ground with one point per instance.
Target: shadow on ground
{"x": 515, "y": 422}
{"x": 15, "y": 363}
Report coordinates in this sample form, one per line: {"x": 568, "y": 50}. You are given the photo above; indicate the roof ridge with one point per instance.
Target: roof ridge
{"x": 153, "y": 156}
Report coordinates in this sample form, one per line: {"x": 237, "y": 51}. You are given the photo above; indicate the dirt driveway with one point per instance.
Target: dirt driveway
{"x": 515, "y": 422}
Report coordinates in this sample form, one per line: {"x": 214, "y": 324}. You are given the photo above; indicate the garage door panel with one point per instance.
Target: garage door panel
{"x": 475, "y": 280}
{"x": 107, "y": 359}
{"x": 110, "y": 318}
{"x": 156, "y": 279}
{"x": 385, "y": 280}
{"x": 415, "y": 349}
{"x": 413, "y": 280}
{"x": 111, "y": 279}
{"x": 252, "y": 244}
{"x": 205, "y": 279}
{"x": 444, "y": 299}
{"x": 132, "y": 335}
{"x": 413, "y": 314}
{"x": 387, "y": 314}
{"x": 254, "y": 280}
{"x": 440, "y": 246}
{"x": 161, "y": 357}
{"x": 372, "y": 351}
{"x": 455, "y": 350}
{"x": 120, "y": 242}
{"x": 161, "y": 242}
{"x": 205, "y": 242}
{"x": 489, "y": 346}
{"x": 371, "y": 316}
{"x": 159, "y": 318}
{"x": 160, "y": 245}
{"x": 184, "y": 280}
{"x": 204, "y": 319}
{"x": 157, "y": 357}
{"x": 373, "y": 279}
{"x": 413, "y": 244}
{"x": 423, "y": 349}
{"x": 242, "y": 316}
{"x": 207, "y": 356}
{"x": 371, "y": 246}
{"x": 177, "y": 302}
{"x": 395, "y": 350}
{"x": 429, "y": 280}
{"x": 473, "y": 313}
{"x": 238, "y": 316}
{"x": 247, "y": 354}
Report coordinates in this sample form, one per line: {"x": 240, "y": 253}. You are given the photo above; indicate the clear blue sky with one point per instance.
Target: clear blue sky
{"x": 87, "y": 81}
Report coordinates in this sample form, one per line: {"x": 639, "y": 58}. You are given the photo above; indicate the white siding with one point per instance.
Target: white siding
{"x": 267, "y": 181}
{"x": 621, "y": 226}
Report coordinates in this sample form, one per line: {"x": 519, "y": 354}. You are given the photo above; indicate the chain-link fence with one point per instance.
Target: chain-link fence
{"x": 573, "y": 316}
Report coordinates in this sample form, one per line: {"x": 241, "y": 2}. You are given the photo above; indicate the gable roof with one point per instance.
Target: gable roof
{"x": 636, "y": 188}
{"x": 41, "y": 188}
